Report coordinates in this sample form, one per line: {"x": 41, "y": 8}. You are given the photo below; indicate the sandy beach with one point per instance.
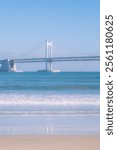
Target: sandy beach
{"x": 49, "y": 142}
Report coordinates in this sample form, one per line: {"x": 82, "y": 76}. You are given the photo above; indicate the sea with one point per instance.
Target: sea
{"x": 49, "y": 103}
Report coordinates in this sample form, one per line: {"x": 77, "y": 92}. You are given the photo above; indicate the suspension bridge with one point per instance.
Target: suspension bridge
{"x": 9, "y": 65}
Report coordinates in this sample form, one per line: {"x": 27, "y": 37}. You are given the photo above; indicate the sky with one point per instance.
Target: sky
{"x": 74, "y": 24}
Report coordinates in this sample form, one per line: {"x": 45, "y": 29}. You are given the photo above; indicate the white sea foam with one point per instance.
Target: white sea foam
{"x": 38, "y": 99}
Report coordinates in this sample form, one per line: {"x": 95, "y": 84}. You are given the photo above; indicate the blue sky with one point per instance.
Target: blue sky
{"x": 72, "y": 23}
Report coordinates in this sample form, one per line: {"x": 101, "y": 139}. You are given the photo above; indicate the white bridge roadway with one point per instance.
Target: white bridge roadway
{"x": 8, "y": 65}
{"x": 56, "y": 59}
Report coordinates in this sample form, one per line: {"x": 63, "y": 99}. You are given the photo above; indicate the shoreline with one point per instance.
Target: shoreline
{"x": 48, "y": 142}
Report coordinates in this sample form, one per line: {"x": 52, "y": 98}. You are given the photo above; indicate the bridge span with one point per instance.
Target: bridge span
{"x": 9, "y": 65}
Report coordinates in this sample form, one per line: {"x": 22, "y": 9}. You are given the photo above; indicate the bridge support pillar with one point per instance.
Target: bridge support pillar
{"x": 7, "y": 66}
{"x": 12, "y": 66}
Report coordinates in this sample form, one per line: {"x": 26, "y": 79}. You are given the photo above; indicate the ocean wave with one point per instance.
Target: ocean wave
{"x": 47, "y": 113}
{"x": 49, "y": 103}
{"x": 41, "y": 99}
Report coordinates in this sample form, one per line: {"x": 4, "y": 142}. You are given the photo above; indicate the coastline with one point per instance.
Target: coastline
{"x": 54, "y": 142}
{"x": 75, "y": 92}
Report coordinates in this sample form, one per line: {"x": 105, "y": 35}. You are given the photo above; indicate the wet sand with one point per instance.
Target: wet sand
{"x": 50, "y": 142}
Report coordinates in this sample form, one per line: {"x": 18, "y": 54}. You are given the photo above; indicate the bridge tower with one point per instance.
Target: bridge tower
{"x": 48, "y": 55}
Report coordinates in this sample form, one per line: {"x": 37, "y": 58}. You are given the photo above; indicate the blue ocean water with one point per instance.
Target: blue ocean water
{"x": 64, "y": 82}
{"x": 55, "y": 103}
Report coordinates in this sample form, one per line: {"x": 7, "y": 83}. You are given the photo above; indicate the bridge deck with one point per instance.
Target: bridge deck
{"x": 57, "y": 59}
